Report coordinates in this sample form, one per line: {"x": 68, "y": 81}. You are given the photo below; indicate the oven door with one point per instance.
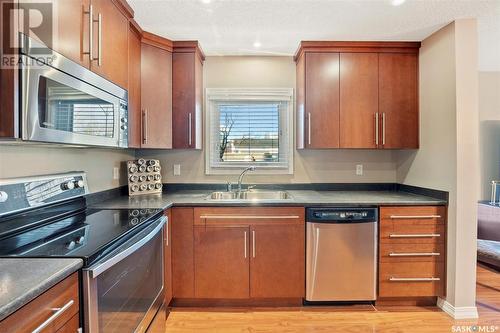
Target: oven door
{"x": 124, "y": 291}
{"x": 61, "y": 108}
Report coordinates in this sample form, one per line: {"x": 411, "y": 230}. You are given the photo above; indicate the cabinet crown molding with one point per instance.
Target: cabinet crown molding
{"x": 189, "y": 46}
{"x": 356, "y": 46}
{"x": 157, "y": 41}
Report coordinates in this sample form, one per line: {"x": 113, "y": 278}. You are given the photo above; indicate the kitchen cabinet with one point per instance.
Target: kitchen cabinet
{"x": 168, "y": 258}
{"x": 64, "y": 296}
{"x": 134, "y": 87}
{"x": 277, "y": 260}
{"x": 357, "y": 95}
{"x": 412, "y": 252}
{"x": 398, "y": 100}
{"x": 221, "y": 262}
{"x": 110, "y": 39}
{"x": 359, "y": 100}
{"x": 156, "y": 92}
{"x": 182, "y": 252}
{"x": 187, "y": 95}
{"x": 322, "y": 100}
{"x": 245, "y": 253}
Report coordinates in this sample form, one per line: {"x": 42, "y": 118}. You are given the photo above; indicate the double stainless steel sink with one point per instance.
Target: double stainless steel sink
{"x": 253, "y": 195}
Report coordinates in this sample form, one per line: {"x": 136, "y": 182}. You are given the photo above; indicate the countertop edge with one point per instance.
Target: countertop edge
{"x": 38, "y": 289}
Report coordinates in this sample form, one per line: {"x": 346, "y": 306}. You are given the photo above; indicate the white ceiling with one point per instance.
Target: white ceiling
{"x": 231, "y": 27}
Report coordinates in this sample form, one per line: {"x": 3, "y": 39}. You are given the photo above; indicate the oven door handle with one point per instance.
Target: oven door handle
{"x": 136, "y": 243}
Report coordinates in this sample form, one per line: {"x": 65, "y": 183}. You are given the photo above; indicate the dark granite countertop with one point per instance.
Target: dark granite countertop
{"x": 306, "y": 198}
{"x": 24, "y": 279}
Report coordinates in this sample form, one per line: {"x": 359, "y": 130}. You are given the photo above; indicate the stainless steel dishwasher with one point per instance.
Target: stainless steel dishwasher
{"x": 341, "y": 254}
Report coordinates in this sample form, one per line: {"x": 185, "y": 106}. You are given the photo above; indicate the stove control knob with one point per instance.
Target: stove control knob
{"x": 71, "y": 245}
{"x": 80, "y": 240}
{"x": 69, "y": 185}
{"x": 3, "y": 196}
{"x": 79, "y": 183}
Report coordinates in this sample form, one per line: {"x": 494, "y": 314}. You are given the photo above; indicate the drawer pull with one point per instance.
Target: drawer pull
{"x": 55, "y": 315}
{"x": 394, "y": 279}
{"x": 414, "y": 235}
{"x": 416, "y": 254}
{"x": 208, "y": 217}
{"x": 414, "y": 217}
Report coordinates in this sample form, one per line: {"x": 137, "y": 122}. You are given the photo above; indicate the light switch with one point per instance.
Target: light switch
{"x": 359, "y": 169}
{"x": 177, "y": 169}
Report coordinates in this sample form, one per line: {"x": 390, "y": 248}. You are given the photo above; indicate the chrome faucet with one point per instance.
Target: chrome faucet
{"x": 240, "y": 178}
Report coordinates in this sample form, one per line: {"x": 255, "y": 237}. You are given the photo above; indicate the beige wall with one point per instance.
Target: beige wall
{"x": 489, "y": 130}
{"x": 449, "y": 150}
{"x": 310, "y": 166}
{"x": 18, "y": 160}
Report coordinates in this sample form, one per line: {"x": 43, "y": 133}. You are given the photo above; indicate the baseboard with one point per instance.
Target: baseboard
{"x": 465, "y": 312}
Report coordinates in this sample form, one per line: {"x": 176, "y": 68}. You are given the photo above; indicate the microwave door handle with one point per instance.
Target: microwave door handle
{"x": 100, "y": 267}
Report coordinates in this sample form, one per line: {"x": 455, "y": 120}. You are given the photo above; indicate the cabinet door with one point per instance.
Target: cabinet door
{"x": 398, "y": 100}
{"x": 156, "y": 97}
{"x": 277, "y": 261}
{"x": 134, "y": 89}
{"x": 182, "y": 253}
{"x": 187, "y": 92}
{"x": 113, "y": 41}
{"x": 168, "y": 258}
{"x": 322, "y": 100}
{"x": 73, "y": 30}
{"x": 221, "y": 262}
{"x": 358, "y": 100}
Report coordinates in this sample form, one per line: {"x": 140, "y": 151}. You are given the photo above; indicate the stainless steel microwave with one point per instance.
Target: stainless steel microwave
{"x": 64, "y": 102}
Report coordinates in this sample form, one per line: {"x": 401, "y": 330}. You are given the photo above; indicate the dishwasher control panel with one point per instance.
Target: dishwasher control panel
{"x": 342, "y": 215}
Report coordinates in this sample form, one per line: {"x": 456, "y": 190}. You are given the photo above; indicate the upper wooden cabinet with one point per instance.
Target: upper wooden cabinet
{"x": 357, "y": 95}
{"x": 187, "y": 92}
{"x": 398, "y": 100}
{"x": 134, "y": 87}
{"x": 156, "y": 92}
{"x": 110, "y": 40}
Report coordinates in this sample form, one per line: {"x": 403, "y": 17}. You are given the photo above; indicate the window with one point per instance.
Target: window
{"x": 249, "y": 127}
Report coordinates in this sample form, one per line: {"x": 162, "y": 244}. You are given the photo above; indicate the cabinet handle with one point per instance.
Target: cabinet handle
{"x": 415, "y": 217}
{"x": 493, "y": 193}
{"x": 394, "y": 279}
{"x": 416, "y": 254}
{"x": 166, "y": 226}
{"x": 383, "y": 129}
{"x": 253, "y": 243}
{"x": 145, "y": 126}
{"x": 189, "y": 129}
{"x": 55, "y": 315}
{"x": 208, "y": 217}
{"x": 99, "y": 40}
{"x": 414, "y": 235}
{"x": 246, "y": 250}
{"x": 376, "y": 129}
{"x": 90, "y": 13}
{"x": 309, "y": 127}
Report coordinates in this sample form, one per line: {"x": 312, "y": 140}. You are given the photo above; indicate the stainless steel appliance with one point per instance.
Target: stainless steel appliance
{"x": 341, "y": 254}
{"x": 122, "y": 250}
{"x": 64, "y": 102}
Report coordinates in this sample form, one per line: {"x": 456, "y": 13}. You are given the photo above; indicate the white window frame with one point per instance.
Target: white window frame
{"x": 215, "y": 95}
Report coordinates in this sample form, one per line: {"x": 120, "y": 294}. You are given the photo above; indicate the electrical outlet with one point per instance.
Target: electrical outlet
{"x": 177, "y": 169}
{"x": 116, "y": 173}
{"x": 359, "y": 169}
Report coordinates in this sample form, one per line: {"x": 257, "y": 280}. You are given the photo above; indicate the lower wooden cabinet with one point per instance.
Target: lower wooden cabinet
{"x": 63, "y": 296}
{"x": 221, "y": 262}
{"x": 412, "y": 252}
{"x": 239, "y": 253}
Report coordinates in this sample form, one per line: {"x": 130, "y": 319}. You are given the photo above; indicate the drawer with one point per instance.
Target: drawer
{"x": 406, "y": 231}
{"x": 62, "y": 296}
{"x": 206, "y": 216}
{"x": 411, "y": 279}
{"x": 416, "y": 214}
{"x": 411, "y": 252}
{"x": 72, "y": 325}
